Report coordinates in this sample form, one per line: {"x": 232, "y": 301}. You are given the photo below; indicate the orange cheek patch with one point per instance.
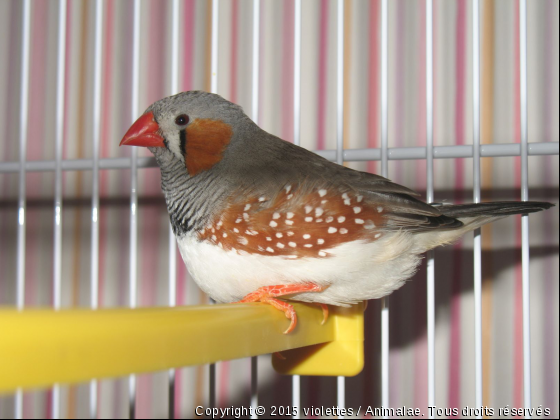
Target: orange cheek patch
{"x": 206, "y": 141}
{"x": 295, "y": 223}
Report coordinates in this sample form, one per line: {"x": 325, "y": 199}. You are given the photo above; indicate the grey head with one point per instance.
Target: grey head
{"x": 199, "y": 140}
{"x": 176, "y": 114}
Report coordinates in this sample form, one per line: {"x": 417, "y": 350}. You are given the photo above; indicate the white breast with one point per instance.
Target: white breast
{"x": 354, "y": 271}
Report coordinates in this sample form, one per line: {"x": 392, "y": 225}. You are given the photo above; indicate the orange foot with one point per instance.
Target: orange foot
{"x": 268, "y": 294}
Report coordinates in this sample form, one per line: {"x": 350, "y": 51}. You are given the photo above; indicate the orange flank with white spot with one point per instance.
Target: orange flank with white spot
{"x": 296, "y": 222}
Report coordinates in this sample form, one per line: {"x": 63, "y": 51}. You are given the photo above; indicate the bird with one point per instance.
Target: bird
{"x": 259, "y": 219}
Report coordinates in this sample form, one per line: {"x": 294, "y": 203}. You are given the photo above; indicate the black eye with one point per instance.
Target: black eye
{"x": 182, "y": 119}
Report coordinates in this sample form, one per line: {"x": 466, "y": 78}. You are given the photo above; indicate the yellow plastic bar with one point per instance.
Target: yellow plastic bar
{"x": 343, "y": 356}
{"x": 39, "y": 347}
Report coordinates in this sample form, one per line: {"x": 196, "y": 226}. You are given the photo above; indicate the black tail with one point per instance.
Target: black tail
{"x": 497, "y": 208}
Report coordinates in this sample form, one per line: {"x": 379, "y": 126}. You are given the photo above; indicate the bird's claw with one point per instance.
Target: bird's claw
{"x": 268, "y": 294}
{"x": 288, "y": 310}
{"x": 325, "y": 309}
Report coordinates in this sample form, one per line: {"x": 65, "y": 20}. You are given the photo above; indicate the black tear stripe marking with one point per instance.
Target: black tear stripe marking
{"x": 183, "y": 143}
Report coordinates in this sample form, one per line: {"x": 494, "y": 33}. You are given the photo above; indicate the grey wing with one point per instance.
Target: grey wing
{"x": 402, "y": 210}
{"x": 286, "y": 162}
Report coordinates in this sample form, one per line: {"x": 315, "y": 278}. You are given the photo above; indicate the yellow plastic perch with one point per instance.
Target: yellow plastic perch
{"x": 39, "y": 347}
{"x": 343, "y": 356}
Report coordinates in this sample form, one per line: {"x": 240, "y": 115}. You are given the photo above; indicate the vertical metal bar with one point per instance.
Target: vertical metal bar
{"x": 254, "y": 387}
{"x": 340, "y": 82}
{"x": 133, "y": 250}
{"x": 385, "y": 353}
{"x": 214, "y": 55}
{"x": 296, "y": 396}
{"x": 23, "y": 121}
{"x": 213, "y": 89}
{"x": 59, "y": 137}
{"x": 212, "y": 385}
{"x": 255, "y": 116}
{"x": 172, "y": 261}
{"x": 255, "y": 71}
{"x": 523, "y": 99}
{"x": 296, "y": 380}
{"x": 175, "y": 35}
{"x": 94, "y": 273}
{"x": 384, "y": 171}
{"x": 430, "y": 264}
{"x": 341, "y": 382}
{"x": 171, "y": 394}
{"x": 341, "y": 390}
{"x": 384, "y": 87}
{"x": 525, "y": 196}
{"x": 297, "y": 71}
{"x": 476, "y": 101}
{"x": 429, "y": 102}
{"x": 476, "y": 197}
{"x": 94, "y": 299}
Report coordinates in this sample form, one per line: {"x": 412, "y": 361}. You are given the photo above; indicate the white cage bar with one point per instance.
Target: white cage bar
{"x": 430, "y": 263}
{"x": 23, "y": 121}
{"x": 296, "y": 380}
{"x": 384, "y": 172}
{"x": 59, "y": 138}
{"x": 349, "y": 155}
{"x": 94, "y": 272}
{"x": 477, "y": 252}
{"x": 255, "y": 115}
{"x": 341, "y": 381}
{"x": 525, "y": 197}
{"x": 213, "y": 89}
{"x": 133, "y": 165}
{"x": 172, "y": 243}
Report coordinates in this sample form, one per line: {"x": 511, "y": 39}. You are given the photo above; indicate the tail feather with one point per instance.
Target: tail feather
{"x": 474, "y": 216}
{"x": 493, "y": 209}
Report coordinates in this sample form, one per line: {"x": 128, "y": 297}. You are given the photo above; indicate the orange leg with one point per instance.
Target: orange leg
{"x": 281, "y": 290}
{"x": 268, "y": 294}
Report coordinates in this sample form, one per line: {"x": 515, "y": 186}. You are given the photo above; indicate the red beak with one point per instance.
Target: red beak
{"x": 144, "y": 132}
